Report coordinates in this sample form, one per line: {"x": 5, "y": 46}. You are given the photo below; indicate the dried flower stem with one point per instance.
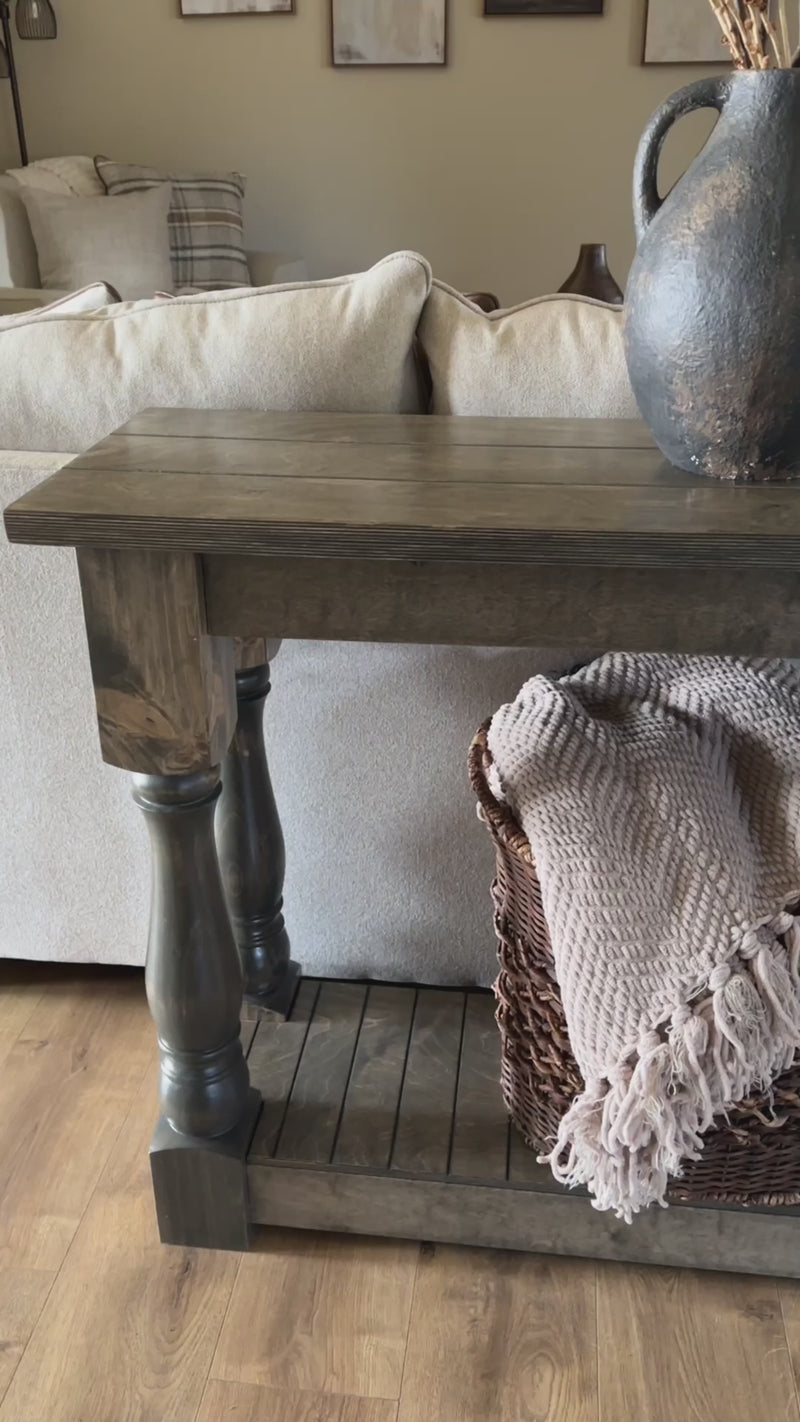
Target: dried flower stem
{"x": 751, "y": 35}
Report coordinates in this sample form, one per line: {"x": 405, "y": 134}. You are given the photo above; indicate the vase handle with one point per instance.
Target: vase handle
{"x": 705, "y": 94}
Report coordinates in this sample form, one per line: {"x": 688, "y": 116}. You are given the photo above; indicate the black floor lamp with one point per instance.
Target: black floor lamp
{"x": 35, "y": 20}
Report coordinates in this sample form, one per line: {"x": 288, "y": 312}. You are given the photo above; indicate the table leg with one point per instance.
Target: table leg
{"x": 251, "y": 848}
{"x": 165, "y": 701}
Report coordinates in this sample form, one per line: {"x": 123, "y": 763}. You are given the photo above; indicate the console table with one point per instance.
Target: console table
{"x": 200, "y": 535}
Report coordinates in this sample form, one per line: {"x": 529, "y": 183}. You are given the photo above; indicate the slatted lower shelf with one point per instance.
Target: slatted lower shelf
{"x": 382, "y": 1115}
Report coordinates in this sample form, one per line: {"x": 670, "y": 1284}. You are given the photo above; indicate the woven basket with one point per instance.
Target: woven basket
{"x": 751, "y": 1158}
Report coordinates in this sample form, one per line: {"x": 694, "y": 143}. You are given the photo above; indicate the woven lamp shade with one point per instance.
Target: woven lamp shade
{"x": 36, "y": 19}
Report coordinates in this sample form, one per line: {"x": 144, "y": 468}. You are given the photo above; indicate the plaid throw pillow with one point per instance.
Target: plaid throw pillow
{"x": 205, "y": 222}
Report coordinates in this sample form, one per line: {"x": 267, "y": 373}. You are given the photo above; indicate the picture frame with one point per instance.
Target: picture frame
{"x": 393, "y": 34}
{"x": 682, "y": 32}
{"x": 542, "y": 7}
{"x": 192, "y": 9}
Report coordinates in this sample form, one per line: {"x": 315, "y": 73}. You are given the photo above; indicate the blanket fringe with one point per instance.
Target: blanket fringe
{"x": 628, "y": 1134}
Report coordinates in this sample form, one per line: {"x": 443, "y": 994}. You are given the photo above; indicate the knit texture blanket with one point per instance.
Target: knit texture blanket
{"x": 661, "y": 799}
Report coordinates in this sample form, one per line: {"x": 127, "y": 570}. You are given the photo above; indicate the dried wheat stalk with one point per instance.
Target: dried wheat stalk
{"x": 752, "y": 36}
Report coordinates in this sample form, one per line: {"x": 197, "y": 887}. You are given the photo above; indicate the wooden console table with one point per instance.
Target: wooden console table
{"x": 199, "y": 535}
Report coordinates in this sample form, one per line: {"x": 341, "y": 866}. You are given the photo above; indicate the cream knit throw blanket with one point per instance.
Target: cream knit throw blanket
{"x": 661, "y": 799}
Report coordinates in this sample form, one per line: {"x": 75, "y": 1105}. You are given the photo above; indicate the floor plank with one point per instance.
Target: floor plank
{"x": 23, "y": 1293}
{"x": 695, "y": 1347}
{"x": 789, "y": 1299}
{"x": 65, "y": 1089}
{"x": 130, "y": 1327}
{"x": 318, "y": 1313}
{"x": 242, "y": 1402}
{"x": 504, "y": 1337}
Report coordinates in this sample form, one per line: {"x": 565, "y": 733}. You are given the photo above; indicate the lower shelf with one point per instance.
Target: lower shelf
{"x": 382, "y": 1115}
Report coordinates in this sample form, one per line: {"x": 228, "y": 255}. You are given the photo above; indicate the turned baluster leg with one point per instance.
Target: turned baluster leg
{"x": 250, "y": 844}
{"x": 166, "y": 710}
{"x": 193, "y": 976}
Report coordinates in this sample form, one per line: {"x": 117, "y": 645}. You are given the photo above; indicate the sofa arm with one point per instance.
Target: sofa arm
{"x": 14, "y": 299}
{"x": 271, "y": 268}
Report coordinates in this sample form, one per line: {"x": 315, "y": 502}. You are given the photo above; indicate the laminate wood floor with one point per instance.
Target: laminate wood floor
{"x": 100, "y": 1323}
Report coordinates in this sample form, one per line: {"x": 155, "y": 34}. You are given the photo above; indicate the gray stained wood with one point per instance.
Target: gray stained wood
{"x": 464, "y": 496}
{"x": 747, "y": 612}
{"x": 369, "y": 1114}
{"x": 164, "y": 690}
{"x": 320, "y": 1084}
{"x": 479, "y": 1148}
{"x": 425, "y": 1116}
{"x": 454, "y": 1174}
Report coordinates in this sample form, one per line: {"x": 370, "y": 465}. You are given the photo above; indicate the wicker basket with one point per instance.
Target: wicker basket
{"x": 751, "y": 1158}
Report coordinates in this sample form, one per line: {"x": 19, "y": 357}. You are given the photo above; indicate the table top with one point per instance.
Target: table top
{"x": 441, "y": 489}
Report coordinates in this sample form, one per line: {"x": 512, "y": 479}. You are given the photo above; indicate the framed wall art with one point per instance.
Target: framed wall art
{"x": 388, "y": 32}
{"x": 237, "y": 7}
{"x": 683, "y": 32}
{"x": 542, "y": 7}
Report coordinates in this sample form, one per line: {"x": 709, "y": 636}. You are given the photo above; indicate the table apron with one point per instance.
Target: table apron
{"x": 737, "y": 612}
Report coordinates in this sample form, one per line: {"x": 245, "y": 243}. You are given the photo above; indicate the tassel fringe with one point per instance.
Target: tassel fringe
{"x": 627, "y": 1135}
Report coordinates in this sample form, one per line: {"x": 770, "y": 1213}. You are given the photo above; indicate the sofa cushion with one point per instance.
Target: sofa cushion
{"x": 556, "y": 357}
{"x": 83, "y": 240}
{"x": 344, "y": 344}
{"x": 89, "y": 298}
{"x": 206, "y": 222}
{"x": 70, "y": 176}
{"x": 18, "y": 263}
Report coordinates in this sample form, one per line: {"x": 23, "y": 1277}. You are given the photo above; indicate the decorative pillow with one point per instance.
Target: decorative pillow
{"x": 82, "y": 240}
{"x": 206, "y": 223}
{"x": 345, "y": 344}
{"x": 68, "y": 177}
{"x": 556, "y": 357}
{"x": 90, "y": 298}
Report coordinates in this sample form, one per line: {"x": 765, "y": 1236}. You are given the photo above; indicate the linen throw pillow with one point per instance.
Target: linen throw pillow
{"x": 340, "y": 345}
{"x": 83, "y": 240}
{"x": 558, "y": 357}
{"x": 206, "y": 222}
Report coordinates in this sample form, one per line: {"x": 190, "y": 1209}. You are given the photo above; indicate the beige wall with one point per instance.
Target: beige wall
{"x": 495, "y": 168}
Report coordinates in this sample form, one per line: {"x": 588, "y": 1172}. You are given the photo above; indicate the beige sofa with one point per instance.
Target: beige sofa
{"x": 20, "y": 287}
{"x": 388, "y": 871}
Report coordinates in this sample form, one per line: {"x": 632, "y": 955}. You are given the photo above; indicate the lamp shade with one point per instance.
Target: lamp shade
{"x": 36, "y": 19}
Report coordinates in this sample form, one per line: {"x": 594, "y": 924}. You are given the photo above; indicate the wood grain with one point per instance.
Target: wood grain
{"x": 314, "y": 1314}
{"x": 519, "y": 1336}
{"x": 479, "y": 1148}
{"x": 695, "y": 1346}
{"x": 369, "y": 1114}
{"x": 312, "y": 1117}
{"x": 569, "y": 522}
{"x": 23, "y": 1293}
{"x": 164, "y": 691}
{"x": 750, "y": 611}
{"x": 425, "y": 1117}
{"x": 70, "y": 1077}
{"x": 401, "y": 462}
{"x": 464, "y": 495}
{"x": 241, "y": 1402}
{"x": 273, "y": 1063}
{"x": 129, "y": 1329}
{"x": 311, "y": 427}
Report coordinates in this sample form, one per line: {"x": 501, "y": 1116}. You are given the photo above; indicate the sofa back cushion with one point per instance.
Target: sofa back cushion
{"x": 556, "y": 357}
{"x": 344, "y": 344}
{"x": 18, "y": 262}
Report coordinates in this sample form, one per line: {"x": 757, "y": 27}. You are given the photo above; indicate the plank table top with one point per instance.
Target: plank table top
{"x": 439, "y": 489}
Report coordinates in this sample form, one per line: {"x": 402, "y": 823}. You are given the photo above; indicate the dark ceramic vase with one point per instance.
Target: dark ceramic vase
{"x": 713, "y": 300}
{"x": 591, "y": 276}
